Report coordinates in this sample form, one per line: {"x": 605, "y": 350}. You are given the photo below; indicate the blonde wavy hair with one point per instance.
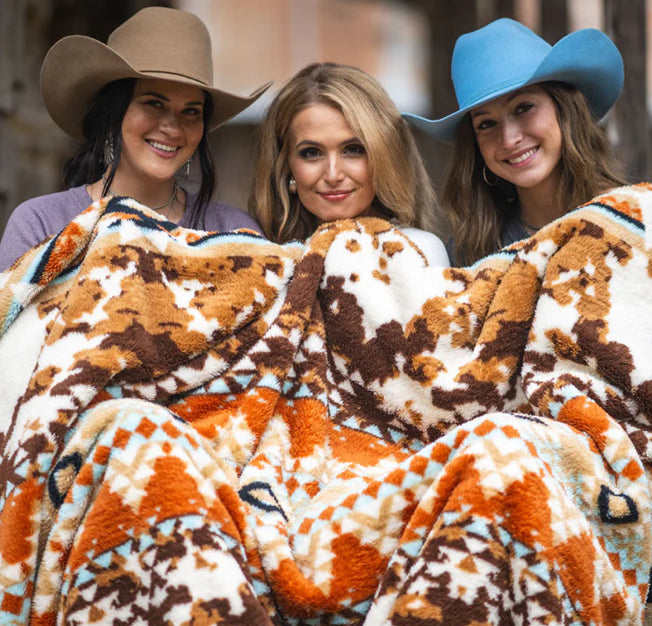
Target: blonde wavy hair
{"x": 476, "y": 212}
{"x": 403, "y": 188}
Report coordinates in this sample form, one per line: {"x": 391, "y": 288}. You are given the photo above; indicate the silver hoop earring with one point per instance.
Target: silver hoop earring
{"x": 292, "y": 186}
{"x": 188, "y": 168}
{"x": 486, "y": 180}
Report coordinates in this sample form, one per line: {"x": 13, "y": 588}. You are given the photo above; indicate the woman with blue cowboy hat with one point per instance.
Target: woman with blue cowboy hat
{"x": 527, "y": 144}
{"x": 142, "y": 105}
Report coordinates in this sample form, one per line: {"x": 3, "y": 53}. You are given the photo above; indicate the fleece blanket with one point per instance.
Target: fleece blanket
{"x": 202, "y": 428}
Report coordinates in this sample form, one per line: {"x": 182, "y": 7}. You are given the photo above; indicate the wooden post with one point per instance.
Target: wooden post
{"x": 504, "y": 8}
{"x": 24, "y": 137}
{"x": 490, "y": 10}
{"x": 445, "y": 27}
{"x": 629, "y": 122}
{"x": 554, "y": 20}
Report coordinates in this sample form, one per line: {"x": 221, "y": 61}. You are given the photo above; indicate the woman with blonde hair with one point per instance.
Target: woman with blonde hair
{"x": 333, "y": 145}
{"x": 527, "y": 143}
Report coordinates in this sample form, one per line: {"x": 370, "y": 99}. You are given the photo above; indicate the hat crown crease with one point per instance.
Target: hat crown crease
{"x": 178, "y": 49}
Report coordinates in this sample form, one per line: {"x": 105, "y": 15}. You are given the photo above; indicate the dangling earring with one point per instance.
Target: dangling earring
{"x": 108, "y": 151}
{"x": 486, "y": 180}
{"x": 292, "y": 185}
{"x": 188, "y": 168}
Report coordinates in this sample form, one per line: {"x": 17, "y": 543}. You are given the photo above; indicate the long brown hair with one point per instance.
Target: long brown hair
{"x": 476, "y": 212}
{"x": 403, "y": 189}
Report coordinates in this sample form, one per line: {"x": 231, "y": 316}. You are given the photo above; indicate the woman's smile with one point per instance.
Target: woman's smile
{"x": 520, "y": 139}
{"x": 335, "y": 196}
{"x": 165, "y": 150}
{"x": 329, "y": 164}
{"x": 522, "y": 157}
{"x": 160, "y": 130}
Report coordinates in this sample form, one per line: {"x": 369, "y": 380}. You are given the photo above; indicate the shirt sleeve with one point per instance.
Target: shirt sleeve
{"x": 23, "y": 231}
{"x": 37, "y": 219}
{"x": 432, "y": 246}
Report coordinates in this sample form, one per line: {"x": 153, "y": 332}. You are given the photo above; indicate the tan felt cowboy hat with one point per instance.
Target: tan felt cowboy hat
{"x": 156, "y": 42}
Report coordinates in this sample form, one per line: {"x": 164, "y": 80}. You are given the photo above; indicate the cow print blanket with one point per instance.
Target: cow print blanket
{"x": 203, "y": 428}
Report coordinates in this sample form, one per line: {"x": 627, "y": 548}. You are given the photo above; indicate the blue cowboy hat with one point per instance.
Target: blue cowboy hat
{"x": 505, "y": 55}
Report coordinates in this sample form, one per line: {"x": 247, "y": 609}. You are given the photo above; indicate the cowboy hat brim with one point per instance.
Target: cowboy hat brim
{"x": 77, "y": 67}
{"x": 586, "y": 59}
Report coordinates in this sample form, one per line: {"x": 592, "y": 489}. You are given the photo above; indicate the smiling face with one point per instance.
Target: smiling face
{"x": 161, "y": 129}
{"x": 330, "y": 164}
{"x": 520, "y": 139}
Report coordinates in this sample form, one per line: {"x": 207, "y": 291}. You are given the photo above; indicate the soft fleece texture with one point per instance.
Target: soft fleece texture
{"x": 210, "y": 428}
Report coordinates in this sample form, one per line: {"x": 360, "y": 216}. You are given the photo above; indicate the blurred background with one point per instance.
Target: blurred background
{"x": 405, "y": 44}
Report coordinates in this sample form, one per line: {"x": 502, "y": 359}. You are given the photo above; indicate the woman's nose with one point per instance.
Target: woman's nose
{"x": 169, "y": 122}
{"x": 334, "y": 169}
{"x": 511, "y": 133}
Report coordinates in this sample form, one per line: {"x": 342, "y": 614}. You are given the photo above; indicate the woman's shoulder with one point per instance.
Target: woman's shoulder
{"x": 431, "y": 245}
{"x": 60, "y": 206}
{"x": 40, "y": 217}
{"x": 222, "y": 217}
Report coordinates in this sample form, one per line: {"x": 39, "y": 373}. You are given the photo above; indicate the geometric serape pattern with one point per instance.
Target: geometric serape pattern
{"x": 209, "y": 428}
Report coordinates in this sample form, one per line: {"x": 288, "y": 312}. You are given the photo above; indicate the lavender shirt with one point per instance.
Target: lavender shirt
{"x": 35, "y": 219}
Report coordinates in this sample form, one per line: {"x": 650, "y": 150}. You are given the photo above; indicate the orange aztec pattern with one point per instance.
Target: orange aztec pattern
{"x": 204, "y": 428}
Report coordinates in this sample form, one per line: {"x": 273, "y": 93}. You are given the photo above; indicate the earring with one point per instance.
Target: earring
{"x": 486, "y": 180}
{"x": 292, "y": 185}
{"x": 108, "y": 151}
{"x": 188, "y": 168}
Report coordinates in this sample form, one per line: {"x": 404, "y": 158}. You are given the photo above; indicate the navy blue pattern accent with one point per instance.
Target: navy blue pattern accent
{"x": 530, "y": 418}
{"x": 116, "y": 205}
{"x": 45, "y": 257}
{"x": 57, "y": 496}
{"x": 247, "y": 495}
{"x": 216, "y": 235}
{"x": 605, "y": 514}
{"x": 617, "y": 214}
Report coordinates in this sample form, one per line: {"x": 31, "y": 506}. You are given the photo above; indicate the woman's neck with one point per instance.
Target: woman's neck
{"x": 164, "y": 197}
{"x": 539, "y": 205}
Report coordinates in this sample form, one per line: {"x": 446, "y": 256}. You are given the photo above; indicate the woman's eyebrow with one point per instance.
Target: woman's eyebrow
{"x": 163, "y": 97}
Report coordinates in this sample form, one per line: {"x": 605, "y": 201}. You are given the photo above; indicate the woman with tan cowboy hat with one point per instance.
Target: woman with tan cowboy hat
{"x": 143, "y": 105}
{"x": 527, "y": 143}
